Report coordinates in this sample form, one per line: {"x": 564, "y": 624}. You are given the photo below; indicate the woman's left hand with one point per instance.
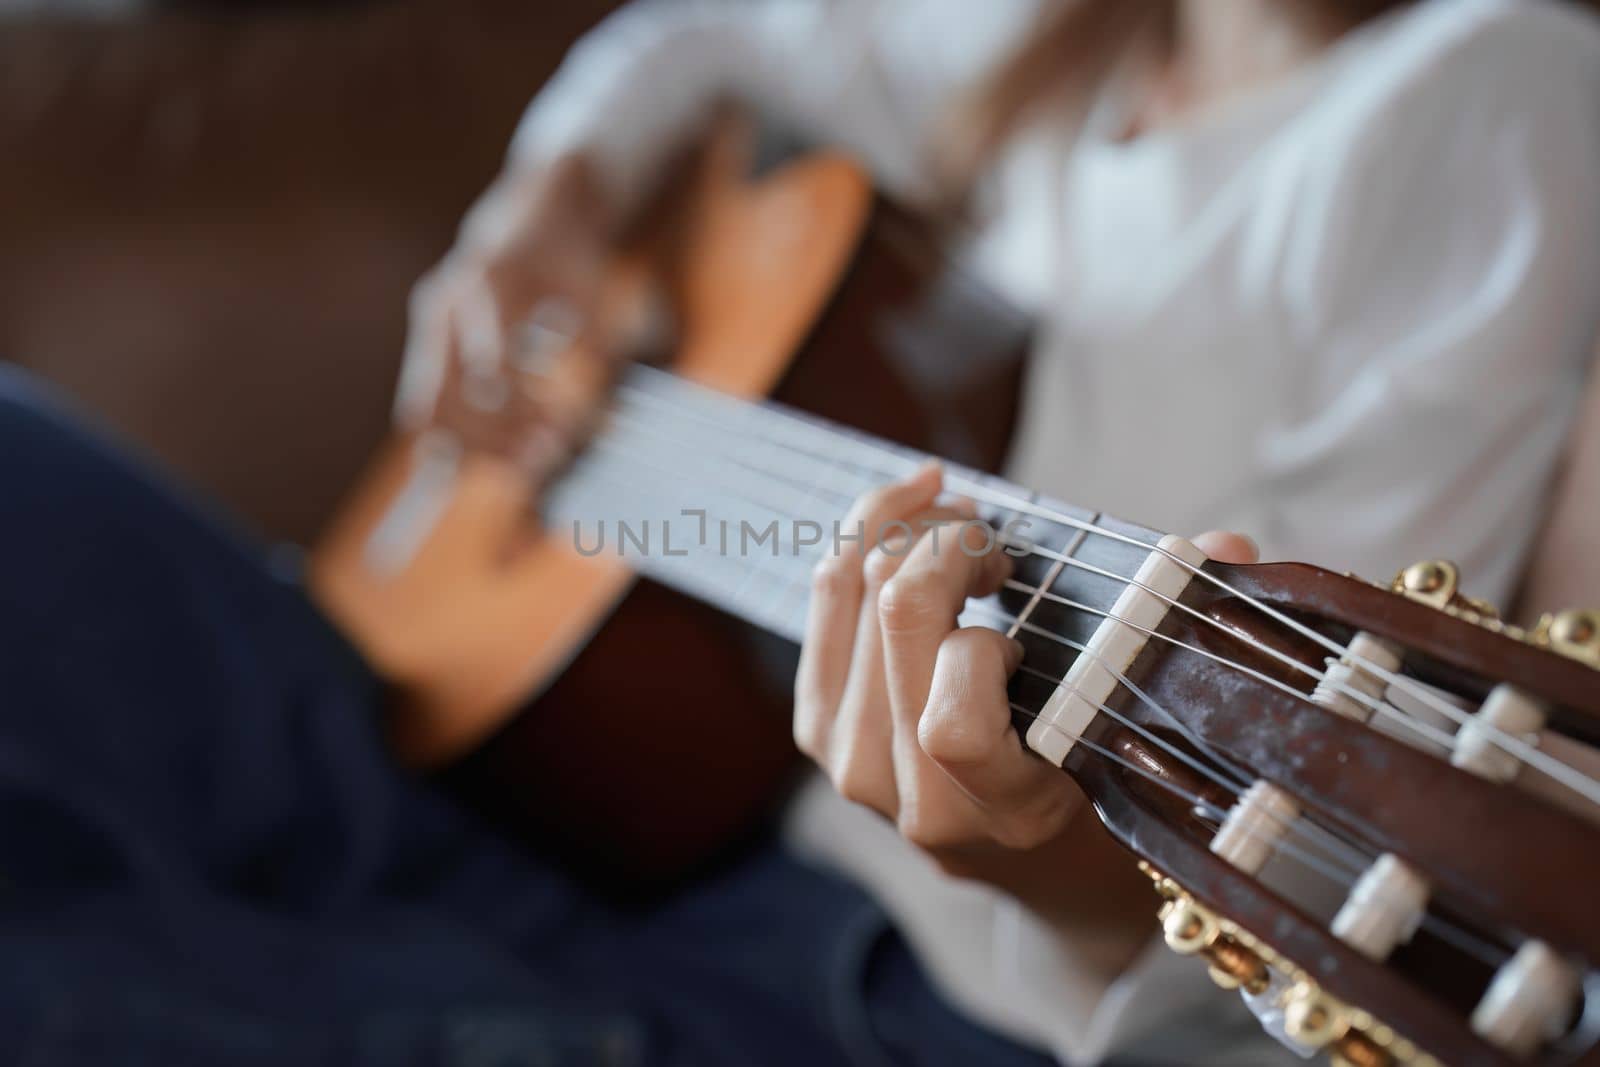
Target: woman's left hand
{"x": 908, "y": 714}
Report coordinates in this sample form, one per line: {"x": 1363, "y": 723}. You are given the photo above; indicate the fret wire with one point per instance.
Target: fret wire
{"x": 1049, "y": 582}
{"x": 820, "y": 483}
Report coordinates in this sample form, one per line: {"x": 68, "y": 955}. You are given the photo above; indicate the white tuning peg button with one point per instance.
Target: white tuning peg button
{"x": 1529, "y": 1002}
{"x": 1254, "y": 825}
{"x": 1507, "y": 711}
{"x": 1384, "y": 909}
{"x": 1348, "y": 686}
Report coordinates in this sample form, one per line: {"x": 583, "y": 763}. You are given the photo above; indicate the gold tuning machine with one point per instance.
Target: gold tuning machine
{"x": 1574, "y": 633}
{"x": 1437, "y": 583}
{"x": 1311, "y": 1017}
{"x": 1355, "y": 1049}
{"x": 1190, "y": 930}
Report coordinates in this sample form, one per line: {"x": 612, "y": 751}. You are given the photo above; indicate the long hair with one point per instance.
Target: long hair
{"x": 1068, "y": 57}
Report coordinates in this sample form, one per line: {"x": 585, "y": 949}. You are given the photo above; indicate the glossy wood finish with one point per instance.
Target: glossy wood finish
{"x": 1451, "y": 650}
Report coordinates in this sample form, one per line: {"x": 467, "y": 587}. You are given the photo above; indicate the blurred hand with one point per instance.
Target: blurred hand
{"x": 909, "y": 716}
{"x": 507, "y": 350}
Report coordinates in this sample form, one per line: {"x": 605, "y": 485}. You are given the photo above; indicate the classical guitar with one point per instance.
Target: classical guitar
{"x": 1372, "y": 810}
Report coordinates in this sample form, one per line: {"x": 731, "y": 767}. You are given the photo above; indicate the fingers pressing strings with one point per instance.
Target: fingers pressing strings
{"x": 1000, "y": 794}
{"x": 842, "y": 653}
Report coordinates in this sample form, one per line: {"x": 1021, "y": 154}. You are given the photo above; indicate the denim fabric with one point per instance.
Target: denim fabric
{"x": 207, "y": 858}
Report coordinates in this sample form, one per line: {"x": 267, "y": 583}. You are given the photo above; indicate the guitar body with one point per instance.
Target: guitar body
{"x": 633, "y": 728}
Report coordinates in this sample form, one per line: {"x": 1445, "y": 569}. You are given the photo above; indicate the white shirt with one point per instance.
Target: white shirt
{"x": 1348, "y": 313}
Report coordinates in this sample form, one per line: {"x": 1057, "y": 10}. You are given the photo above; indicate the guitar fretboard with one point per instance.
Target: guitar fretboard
{"x": 734, "y": 503}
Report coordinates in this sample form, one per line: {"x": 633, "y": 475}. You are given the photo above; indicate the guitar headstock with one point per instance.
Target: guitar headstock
{"x": 1375, "y": 810}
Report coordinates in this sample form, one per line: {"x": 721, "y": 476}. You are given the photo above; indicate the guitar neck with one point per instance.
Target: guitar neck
{"x": 733, "y": 502}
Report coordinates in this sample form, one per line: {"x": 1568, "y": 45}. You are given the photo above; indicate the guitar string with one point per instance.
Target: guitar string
{"x": 1328, "y": 835}
{"x": 1043, "y": 592}
{"x": 1568, "y": 776}
{"x": 1433, "y": 733}
{"x": 1573, "y": 779}
{"x": 1421, "y": 727}
{"x": 1418, "y": 726}
{"x": 1458, "y": 937}
{"x": 1122, "y": 679}
{"x": 1354, "y": 860}
{"x": 1424, "y": 729}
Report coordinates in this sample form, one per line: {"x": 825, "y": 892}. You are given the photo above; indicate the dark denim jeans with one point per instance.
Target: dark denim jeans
{"x": 207, "y": 858}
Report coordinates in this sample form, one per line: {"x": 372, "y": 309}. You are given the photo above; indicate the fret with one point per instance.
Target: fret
{"x": 1025, "y": 616}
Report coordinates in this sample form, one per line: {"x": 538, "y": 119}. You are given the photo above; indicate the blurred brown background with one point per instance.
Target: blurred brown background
{"x": 213, "y": 212}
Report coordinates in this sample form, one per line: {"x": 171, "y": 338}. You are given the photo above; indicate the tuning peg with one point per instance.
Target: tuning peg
{"x": 1235, "y": 967}
{"x": 1312, "y": 1019}
{"x": 1437, "y": 583}
{"x": 1432, "y": 581}
{"x": 1186, "y": 927}
{"x": 1574, "y": 633}
{"x": 1357, "y": 1050}
{"x": 1190, "y": 929}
